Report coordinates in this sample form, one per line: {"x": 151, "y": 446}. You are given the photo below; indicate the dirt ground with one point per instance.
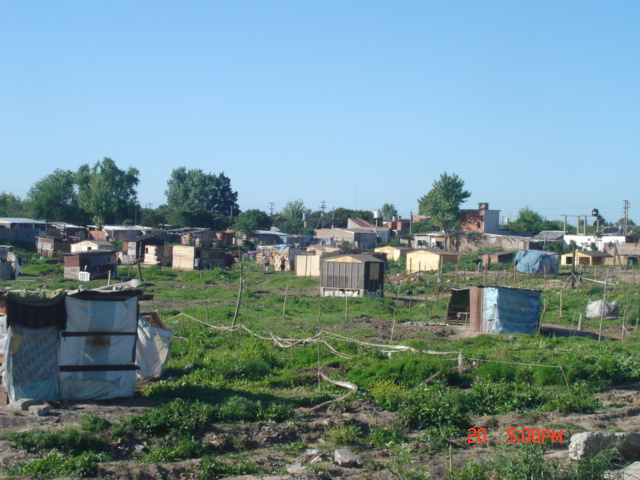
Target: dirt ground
{"x": 265, "y": 444}
{"x": 263, "y": 441}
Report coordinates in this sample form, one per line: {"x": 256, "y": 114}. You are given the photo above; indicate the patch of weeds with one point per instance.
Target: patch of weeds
{"x": 345, "y": 435}
{"x": 383, "y": 437}
{"x": 435, "y": 405}
{"x": 387, "y": 394}
{"x": 176, "y": 416}
{"x": 437, "y": 437}
{"x": 211, "y": 469}
{"x": 93, "y": 423}
{"x": 173, "y": 448}
{"x": 578, "y": 400}
{"x": 529, "y": 462}
{"x": 402, "y": 465}
{"x": 293, "y": 448}
{"x": 67, "y": 440}
{"x": 56, "y": 465}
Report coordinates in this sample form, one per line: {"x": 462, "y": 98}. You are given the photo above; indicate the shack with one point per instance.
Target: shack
{"x": 51, "y": 246}
{"x": 197, "y": 258}
{"x": 9, "y": 263}
{"x": 496, "y": 309}
{"x": 77, "y": 345}
{"x": 394, "y": 252}
{"x": 90, "y": 265}
{"x": 590, "y": 258}
{"x": 352, "y": 275}
{"x": 90, "y": 245}
{"x": 495, "y": 258}
{"x": 425, "y": 260}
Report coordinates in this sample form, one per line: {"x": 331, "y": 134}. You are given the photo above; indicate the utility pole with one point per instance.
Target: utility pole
{"x": 321, "y": 219}
{"x": 271, "y": 209}
{"x": 626, "y": 216}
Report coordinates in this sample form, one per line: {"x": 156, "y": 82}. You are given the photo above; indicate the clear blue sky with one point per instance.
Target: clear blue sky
{"x": 357, "y": 103}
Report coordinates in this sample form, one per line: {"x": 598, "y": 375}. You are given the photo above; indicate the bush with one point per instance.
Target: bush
{"x": 435, "y": 405}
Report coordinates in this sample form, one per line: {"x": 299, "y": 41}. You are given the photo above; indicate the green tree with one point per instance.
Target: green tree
{"x": 11, "y": 206}
{"x": 250, "y": 221}
{"x": 198, "y": 192}
{"x": 55, "y": 198}
{"x": 339, "y": 217}
{"x": 149, "y": 217}
{"x": 388, "y": 211}
{"x": 442, "y": 203}
{"x": 107, "y": 193}
{"x": 289, "y": 219}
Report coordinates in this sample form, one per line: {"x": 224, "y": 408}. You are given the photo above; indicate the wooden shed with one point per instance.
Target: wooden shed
{"x": 352, "y": 275}
{"x": 394, "y": 252}
{"x": 494, "y": 258}
{"x": 50, "y": 247}
{"x": 198, "y": 258}
{"x": 158, "y": 255}
{"x": 91, "y": 265}
{"x": 307, "y": 264}
{"x": 586, "y": 258}
{"x": 426, "y": 260}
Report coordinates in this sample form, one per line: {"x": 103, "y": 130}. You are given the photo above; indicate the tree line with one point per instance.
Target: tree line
{"x": 103, "y": 194}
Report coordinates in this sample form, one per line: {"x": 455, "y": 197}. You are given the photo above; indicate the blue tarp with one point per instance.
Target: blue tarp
{"x": 534, "y": 261}
{"x": 512, "y": 311}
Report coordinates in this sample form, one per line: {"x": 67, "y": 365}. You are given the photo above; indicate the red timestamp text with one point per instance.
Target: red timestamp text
{"x": 533, "y": 435}
{"x": 523, "y": 435}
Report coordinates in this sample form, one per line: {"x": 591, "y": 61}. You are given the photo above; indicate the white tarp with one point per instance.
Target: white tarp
{"x": 100, "y": 342}
{"x": 602, "y": 308}
{"x": 152, "y": 349}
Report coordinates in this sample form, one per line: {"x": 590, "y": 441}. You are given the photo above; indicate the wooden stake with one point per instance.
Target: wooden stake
{"x": 580, "y": 323}
{"x": 561, "y": 307}
{"x": 235, "y": 314}
{"x": 604, "y": 296}
{"x": 284, "y": 307}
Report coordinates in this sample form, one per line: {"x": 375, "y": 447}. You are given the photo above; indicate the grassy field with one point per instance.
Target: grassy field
{"x": 252, "y": 356}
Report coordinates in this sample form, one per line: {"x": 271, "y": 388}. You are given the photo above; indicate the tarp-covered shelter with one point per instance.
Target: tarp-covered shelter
{"x": 497, "y": 309}
{"x": 79, "y": 345}
{"x": 534, "y": 261}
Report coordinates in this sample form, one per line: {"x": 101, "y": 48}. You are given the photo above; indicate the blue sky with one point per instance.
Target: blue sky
{"x": 531, "y": 103}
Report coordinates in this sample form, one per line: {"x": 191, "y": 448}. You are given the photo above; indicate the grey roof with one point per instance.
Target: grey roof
{"x": 363, "y": 257}
{"x": 549, "y": 235}
{"x": 19, "y": 220}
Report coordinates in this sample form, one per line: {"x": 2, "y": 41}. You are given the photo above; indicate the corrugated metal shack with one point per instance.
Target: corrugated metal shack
{"x": 91, "y": 265}
{"x": 496, "y": 309}
{"x": 352, "y": 275}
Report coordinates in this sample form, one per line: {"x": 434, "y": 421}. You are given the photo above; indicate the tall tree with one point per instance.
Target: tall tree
{"x": 442, "y": 203}
{"x": 55, "y": 198}
{"x": 195, "y": 190}
{"x": 107, "y": 193}
{"x": 388, "y": 211}
{"x": 251, "y": 220}
{"x": 11, "y": 206}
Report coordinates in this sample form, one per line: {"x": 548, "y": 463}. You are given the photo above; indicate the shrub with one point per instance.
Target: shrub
{"x": 387, "y": 394}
